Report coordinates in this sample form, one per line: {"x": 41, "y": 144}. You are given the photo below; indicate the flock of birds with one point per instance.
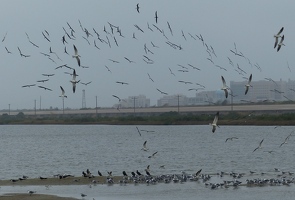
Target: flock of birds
{"x": 113, "y": 32}
{"x": 110, "y": 37}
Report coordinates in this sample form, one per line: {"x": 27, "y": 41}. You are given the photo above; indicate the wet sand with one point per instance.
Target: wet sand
{"x": 17, "y": 196}
{"x": 56, "y": 181}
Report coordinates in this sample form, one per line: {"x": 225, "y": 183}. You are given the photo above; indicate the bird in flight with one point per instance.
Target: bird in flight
{"x": 137, "y": 7}
{"x": 281, "y": 43}
{"x": 277, "y": 36}
{"x": 231, "y": 138}
{"x": 214, "y": 123}
{"x": 259, "y": 147}
{"x": 62, "y": 93}
{"x": 224, "y": 87}
{"x": 76, "y": 55}
{"x": 156, "y": 16}
{"x": 73, "y": 81}
{"x": 248, "y": 84}
{"x": 162, "y": 92}
{"x": 144, "y": 146}
{"x": 153, "y": 155}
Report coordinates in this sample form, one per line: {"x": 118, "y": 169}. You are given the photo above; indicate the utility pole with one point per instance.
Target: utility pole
{"x": 232, "y": 97}
{"x": 134, "y": 103}
{"x": 63, "y": 105}
{"x": 40, "y": 102}
{"x": 96, "y": 105}
{"x": 9, "y": 109}
{"x": 35, "y": 106}
{"x": 178, "y": 103}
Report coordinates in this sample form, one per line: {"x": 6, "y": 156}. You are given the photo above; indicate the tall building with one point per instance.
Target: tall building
{"x": 263, "y": 90}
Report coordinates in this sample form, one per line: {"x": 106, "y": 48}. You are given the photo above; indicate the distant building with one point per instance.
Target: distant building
{"x": 139, "y": 101}
{"x": 173, "y": 100}
{"x": 263, "y": 90}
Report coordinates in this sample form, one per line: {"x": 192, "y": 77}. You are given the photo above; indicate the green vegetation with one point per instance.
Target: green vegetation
{"x": 169, "y": 118}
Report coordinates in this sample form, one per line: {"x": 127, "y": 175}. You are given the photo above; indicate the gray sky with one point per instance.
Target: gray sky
{"x": 251, "y": 25}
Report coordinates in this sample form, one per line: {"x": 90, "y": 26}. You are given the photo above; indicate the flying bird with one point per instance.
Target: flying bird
{"x": 248, "y": 84}
{"x": 224, "y": 87}
{"x": 162, "y": 92}
{"x": 45, "y": 88}
{"x": 144, "y": 146}
{"x": 153, "y": 155}
{"x": 286, "y": 140}
{"x": 259, "y": 147}
{"x": 137, "y": 7}
{"x": 214, "y": 123}
{"x": 123, "y": 83}
{"x": 117, "y": 97}
{"x": 277, "y": 36}
{"x": 29, "y": 85}
{"x": 231, "y": 138}
{"x": 76, "y": 55}
{"x": 138, "y": 131}
{"x": 73, "y": 81}
{"x": 62, "y": 93}
{"x": 156, "y": 16}
{"x": 281, "y": 43}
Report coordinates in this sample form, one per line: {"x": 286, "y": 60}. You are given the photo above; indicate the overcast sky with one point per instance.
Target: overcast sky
{"x": 250, "y": 25}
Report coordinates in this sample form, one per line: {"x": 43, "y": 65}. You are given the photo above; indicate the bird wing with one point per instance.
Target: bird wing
{"x": 144, "y": 145}
{"x": 78, "y": 60}
{"x": 247, "y": 88}
{"x": 216, "y": 118}
{"x": 280, "y": 31}
{"x": 226, "y": 93}
{"x": 74, "y": 75}
{"x": 223, "y": 81}
{"x": 74, "y": 87}
{"x": 261, "y": 143}
{"x": 75, "y": 50}
{"x": 250, "y": 79}
{"x": 276, "y": 42}
{"x": 62, "y": 90}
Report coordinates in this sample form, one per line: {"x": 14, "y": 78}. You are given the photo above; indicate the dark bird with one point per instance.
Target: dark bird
{"x": 29, "y": 85}
{"x": 198, "y": 173}
{"x": 130, "y": 61}
{"x": 153, "y": 155}
{"x": 7, "y": 50}
{"x": 45, "y": 88}
{"x": 117, "y": 97}
{"x": 277, "y": 36}
{"x": 48, "y": 75}
{"x": 162, "y": 92}
{"x": 4, "y": 37}
{"x": 86, "y": 83}
{"x": 138, "y": 173}
{"x": 124, "y": 173}
{"x": 259, "y": 147}
{"x": 231, "y": 138}
{"x": 44, "y": 80}
{"x": 144, "y": 148}
{"x": 99, "y": 173}
{"x": 150, "y": 77}
{"x": 45, "y": 37}
{"x": 21, "y": 54}
{"x": 42, "y": 178}
{"x": 281, "y": 43}
{"x": 123, "y": 83}
{"x": 156, "y": 16}
{"x": 137, "y": 7}
{"x": 138, "y": 131}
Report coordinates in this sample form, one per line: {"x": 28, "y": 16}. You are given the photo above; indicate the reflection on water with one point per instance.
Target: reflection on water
{"x": 45, "y": 150}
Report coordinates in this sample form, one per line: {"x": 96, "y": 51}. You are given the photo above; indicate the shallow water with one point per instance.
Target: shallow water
{"x": 45, "y": 150}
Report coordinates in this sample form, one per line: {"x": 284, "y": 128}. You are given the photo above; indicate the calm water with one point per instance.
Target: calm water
{"x": 51, "y": 149}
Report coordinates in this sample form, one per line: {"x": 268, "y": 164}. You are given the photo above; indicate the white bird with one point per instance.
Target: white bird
{"x": 248, "y": 84}
{"x": 224, "y": 87}
{"x": 76, "y": 55}
{"x": 281, "y": 43}
{"x": 62, "y": 93}
{"x": 144, "y": 146}
{"x": 73, "y": 81}
{"x": 277, "y": 36}
{"x": 214, "y": 123}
